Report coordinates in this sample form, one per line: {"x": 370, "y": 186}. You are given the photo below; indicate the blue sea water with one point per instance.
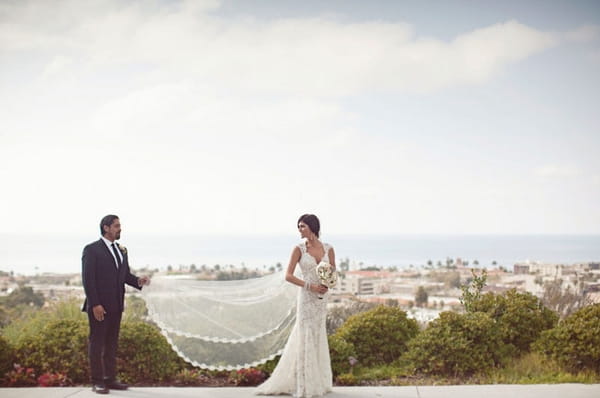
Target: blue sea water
{"x": 59, "y": 254}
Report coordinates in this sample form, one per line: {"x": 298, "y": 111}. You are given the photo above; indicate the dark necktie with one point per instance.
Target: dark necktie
{"x": 116, "y": 255}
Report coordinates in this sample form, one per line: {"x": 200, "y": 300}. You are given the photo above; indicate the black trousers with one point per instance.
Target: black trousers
{"x": 102, "y": 347}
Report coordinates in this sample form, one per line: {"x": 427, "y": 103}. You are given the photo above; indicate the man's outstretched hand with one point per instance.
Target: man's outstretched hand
{"x": 143, "y": 280}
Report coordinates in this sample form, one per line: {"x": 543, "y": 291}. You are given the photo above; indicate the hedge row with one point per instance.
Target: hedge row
{"x": 455, "y": 344}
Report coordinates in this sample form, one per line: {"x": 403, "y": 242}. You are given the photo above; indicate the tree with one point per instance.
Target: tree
{"x": 452, "y": 279}
{"x": 421, "y": 297}
{"x": 345, "y": 264}
{"x": 24, "y": 295}
{"x": 564, "y": 301}
{"x": 471, "y": 293}
{"x": 339, "y": 314}
{"x": 371, "y": 268}
{"x": 391, "y": 302}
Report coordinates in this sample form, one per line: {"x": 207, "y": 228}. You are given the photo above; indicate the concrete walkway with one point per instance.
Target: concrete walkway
{"x": 466, "y": 391}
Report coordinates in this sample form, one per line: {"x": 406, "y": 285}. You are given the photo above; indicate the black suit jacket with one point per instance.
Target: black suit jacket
{"x": 102, "y": 282}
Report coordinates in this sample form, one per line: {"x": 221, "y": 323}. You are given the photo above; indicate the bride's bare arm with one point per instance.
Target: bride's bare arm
{"x": 289, "y": 275}
{"x": 332, "y": 258}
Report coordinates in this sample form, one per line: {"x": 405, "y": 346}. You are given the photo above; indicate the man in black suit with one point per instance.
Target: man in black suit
{"x": 105, "y": 271}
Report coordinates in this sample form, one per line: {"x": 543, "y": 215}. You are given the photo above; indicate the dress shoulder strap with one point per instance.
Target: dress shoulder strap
{"x": 302, "y": 247}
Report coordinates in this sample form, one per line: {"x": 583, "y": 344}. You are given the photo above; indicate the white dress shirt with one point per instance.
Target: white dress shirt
{"x": 109, "y": 244}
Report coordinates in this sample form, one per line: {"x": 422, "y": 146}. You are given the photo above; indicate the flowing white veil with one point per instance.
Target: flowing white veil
{"x": 223, "y": 325}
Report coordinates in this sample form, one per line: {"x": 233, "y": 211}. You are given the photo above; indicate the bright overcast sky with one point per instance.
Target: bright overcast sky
{"x": 235, "y": 117}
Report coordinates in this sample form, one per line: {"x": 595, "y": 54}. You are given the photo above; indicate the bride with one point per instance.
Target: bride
{"x": 304, "y": 369}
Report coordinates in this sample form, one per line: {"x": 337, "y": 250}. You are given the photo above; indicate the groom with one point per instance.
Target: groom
{"x": 105, "y": 271}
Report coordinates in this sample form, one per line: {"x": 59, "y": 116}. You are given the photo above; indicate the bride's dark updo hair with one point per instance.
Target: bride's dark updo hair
{"x": 312, "y": 221}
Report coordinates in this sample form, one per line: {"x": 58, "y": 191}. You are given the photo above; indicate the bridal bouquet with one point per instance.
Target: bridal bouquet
{"x": 327, "y": 274}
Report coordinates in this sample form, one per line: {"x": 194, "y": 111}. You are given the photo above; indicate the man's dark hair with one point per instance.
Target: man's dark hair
{"x": 107, "y": 220}
{"x": 312, "y": 221}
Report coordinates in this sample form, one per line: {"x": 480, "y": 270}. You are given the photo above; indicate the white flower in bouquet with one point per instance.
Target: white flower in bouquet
{"x": 327, "y": 274}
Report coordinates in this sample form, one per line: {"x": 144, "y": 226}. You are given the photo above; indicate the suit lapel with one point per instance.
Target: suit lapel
{"x": 109, "y": 256}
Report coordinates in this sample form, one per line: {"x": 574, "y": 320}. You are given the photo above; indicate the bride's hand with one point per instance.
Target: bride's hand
{"x": 320, "y": 289}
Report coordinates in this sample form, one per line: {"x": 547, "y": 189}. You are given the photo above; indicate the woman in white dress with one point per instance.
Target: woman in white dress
{"x": 304, "y": 369}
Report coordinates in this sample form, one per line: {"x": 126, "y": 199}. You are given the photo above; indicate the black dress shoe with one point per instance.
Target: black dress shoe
{"x": 116, "y": 385}
{"x": 100, "y": 389}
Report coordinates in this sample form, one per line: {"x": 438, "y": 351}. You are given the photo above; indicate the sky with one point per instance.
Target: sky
{"x": 236, "y": 117}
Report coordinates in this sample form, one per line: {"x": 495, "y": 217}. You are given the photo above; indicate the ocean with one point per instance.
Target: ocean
{"x": 29, "y": 255}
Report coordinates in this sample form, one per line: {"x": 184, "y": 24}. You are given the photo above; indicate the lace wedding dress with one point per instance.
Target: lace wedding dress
{"x": 304, "y": 369}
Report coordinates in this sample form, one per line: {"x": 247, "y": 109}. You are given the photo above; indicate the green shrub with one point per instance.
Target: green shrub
{"x": 340, "y": 351}
{"x": 339, "y": 314}
{"x": 59, "y": 347}
{"x": 347, "y": 379}
{"x": 7, "y": 356}
{"x": 575, "y": 342}
{"x": 32, "y": 322}
{"x": 379, "y": 335}
{"x": 456, "y": 345}
{"x": 144, "y": 356}
{"x": 50, "y": 344}
{"x": 269, "y": 366}
{"x": 521, "y": 317}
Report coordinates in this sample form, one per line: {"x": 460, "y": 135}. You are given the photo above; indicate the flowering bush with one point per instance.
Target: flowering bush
{"x": 7, "y": 354}
{"x": 53, "y": 380}
{"x": 20, "y": 377}
{"x": 247, "y": 377}
{"x": 191, "y": 377}
{"x": 59, "y": 347}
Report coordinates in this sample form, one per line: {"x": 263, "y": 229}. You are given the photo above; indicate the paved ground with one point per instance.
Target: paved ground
{"x": 486, "y": 391}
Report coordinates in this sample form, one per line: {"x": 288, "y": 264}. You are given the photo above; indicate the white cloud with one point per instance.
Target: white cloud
{"x": 585, "y": 33}
{"x": 305, "y": 56}
{"x": 557, "y": 171}
{"x": 220, "y": 122}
